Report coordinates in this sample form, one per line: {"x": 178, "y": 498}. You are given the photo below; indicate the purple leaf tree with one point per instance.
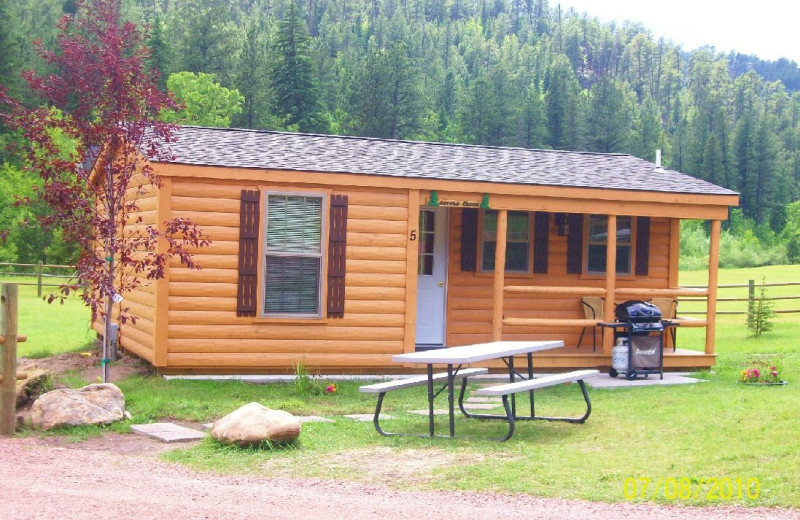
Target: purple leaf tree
{"x": 91, "y": 142}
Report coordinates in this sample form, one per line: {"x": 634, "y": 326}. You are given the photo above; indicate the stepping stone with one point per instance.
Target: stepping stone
{"x": 425, "y": 412}
{"x": 481, "y": 406}
{"x": 168, "y": 432}
{"x": 483, "y": 400}
{"x": 367, "y": 417}
{"x": 314, "y": 418}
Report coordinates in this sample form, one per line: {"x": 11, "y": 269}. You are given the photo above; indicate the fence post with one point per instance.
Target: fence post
{"x": 39, "y": 283}
{"x": 8, "y": 329}
{"x": 751, "y": 297}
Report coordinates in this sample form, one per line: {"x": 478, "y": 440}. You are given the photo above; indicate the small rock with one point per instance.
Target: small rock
{"x": 254, "y": 423}
{"x": 92, "y": 404}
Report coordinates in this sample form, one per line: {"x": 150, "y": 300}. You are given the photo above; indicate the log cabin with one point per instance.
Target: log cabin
{"x": 339, "y": 252}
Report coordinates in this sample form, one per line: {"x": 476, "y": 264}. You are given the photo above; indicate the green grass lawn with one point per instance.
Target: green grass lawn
{"x": 719, "y": 429}
{"x": 51, "y": 328}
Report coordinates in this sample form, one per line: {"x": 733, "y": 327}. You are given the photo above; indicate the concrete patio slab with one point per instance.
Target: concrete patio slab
{"x": 168, "y": 432}
{"x": 670, "y": 378}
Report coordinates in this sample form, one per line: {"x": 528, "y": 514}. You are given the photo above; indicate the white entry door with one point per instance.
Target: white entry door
{"x": 432, "y": 276}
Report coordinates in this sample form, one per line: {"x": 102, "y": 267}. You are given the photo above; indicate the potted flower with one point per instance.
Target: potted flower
{"x": 761, "y": 372}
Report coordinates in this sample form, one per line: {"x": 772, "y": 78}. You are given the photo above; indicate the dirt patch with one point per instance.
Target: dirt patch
{"x": 380, "y": 465}
{"x": 119, "y": 443}
{"x": 85, "y": 365}
{"x": 384, "y": 464}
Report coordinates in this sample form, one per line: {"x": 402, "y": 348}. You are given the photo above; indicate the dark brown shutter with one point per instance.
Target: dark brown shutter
{"x": 575, "y": 244}
{"x": 541, "y": 235}
{"x": 642, "y": 245}
{"x": 337, "y": 244}
{"x": 469, "y": 240}
{"x": 247, "y": 289}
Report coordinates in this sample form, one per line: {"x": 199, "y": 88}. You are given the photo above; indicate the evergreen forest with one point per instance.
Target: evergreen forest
{"x": 520, "y": 73}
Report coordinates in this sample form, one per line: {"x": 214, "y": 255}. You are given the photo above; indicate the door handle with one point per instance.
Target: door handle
{"x": 440, "y": 284}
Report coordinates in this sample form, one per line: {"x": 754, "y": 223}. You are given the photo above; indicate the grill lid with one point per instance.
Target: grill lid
{"x": 637, "y": 311}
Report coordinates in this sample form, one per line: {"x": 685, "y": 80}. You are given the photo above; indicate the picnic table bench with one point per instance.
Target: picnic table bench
{"x": 529, "y": 385}
{"x": 387, "y": 386}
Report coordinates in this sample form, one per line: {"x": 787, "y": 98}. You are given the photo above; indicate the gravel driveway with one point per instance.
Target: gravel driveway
{"x": 40, "y": 480}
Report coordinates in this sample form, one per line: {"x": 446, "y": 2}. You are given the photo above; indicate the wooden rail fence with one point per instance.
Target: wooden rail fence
{"x": 750, "y": 298}
{"x": 43, "y": 273}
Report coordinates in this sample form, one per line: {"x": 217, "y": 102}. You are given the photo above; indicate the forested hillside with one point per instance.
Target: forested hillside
{"x": 497, "y": 72}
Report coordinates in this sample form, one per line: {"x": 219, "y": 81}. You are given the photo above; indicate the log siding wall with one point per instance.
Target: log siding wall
{"x": 204, "y": 332}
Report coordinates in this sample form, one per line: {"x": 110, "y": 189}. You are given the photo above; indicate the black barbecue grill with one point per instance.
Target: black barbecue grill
{"x": 642, "y": 317}
{"x": 639, "y": 324}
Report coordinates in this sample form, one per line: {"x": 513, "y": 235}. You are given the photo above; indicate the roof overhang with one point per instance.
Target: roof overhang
{"x": 510, "y": 196}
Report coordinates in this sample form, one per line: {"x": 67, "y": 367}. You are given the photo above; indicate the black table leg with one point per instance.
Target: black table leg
{"x": 512, "y": 378}
{"x": 450, "y": 400}
{"x": 530, "y": 377}
{"x": 430, "y": 399}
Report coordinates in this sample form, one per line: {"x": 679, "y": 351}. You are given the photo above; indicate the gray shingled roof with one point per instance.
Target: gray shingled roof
{"x": 423, "y": 160}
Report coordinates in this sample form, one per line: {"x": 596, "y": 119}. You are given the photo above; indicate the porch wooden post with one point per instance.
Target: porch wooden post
{"x": 611, "y": 281}
{"x": 713, "y": 280}
{"x": 674, "y": 253}
{"x": 499, "y": 275}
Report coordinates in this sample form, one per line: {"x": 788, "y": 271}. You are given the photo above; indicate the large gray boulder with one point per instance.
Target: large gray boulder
{"x": 254, "y": 423}
{"x": 92, "y": 404}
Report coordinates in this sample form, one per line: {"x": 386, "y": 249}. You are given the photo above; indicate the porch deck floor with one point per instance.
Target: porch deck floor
{"x": 583, "y": 357}
{"x": 572, "y": 351}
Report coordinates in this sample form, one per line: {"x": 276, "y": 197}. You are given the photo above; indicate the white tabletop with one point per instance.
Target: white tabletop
{"x": 477, "y": 352}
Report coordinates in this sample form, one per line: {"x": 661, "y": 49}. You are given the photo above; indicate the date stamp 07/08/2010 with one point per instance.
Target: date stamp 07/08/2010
{"x": 694, "y": 488}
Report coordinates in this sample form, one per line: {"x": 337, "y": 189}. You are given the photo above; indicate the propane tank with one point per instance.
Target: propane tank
{"x": 619, "y": 356}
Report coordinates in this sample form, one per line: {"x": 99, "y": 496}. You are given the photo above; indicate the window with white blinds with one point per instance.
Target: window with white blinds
{"x": 293, "y": 254}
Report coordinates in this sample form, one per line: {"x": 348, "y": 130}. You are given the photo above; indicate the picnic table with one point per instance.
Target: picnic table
{"x": 456, "y": 357}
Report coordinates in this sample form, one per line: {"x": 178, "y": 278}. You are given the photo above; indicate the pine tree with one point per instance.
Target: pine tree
{"x": 9, "y": 52}
{"x": 293, "y": 75}
{"x": 761, "y": 314}
{"x": 206, "y": 35}
{"x": 611, "y": 114}
{"x": 648, "y": 135}
{"x": 533, "y": 126}
{"x": 251, "y": 76}
{"x": 562, "y": 106}
{"x": 387, "y": 101}
{"x": 160, "y": 53}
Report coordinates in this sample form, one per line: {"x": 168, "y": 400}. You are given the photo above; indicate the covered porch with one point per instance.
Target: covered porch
{"x": 545, "y": 302}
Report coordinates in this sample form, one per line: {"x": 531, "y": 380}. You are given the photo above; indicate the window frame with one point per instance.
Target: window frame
{"x": 481, "y": 243}
{"x": 324, "y": 197}
{"x": 630, "y": 244}
{"x": 421, "y": 254}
